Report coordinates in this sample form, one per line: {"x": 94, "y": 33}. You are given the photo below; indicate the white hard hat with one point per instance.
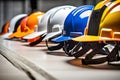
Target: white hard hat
{"x": 13, "y": 22}
{"x": 56, "y": 21}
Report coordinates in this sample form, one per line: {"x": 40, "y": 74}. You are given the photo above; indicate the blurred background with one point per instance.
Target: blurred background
{"x": 10, "y": 8}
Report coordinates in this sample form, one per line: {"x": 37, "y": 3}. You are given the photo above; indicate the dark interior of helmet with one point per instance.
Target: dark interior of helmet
{"x": 17, "y": 24}
{"x": 3, "y": 27}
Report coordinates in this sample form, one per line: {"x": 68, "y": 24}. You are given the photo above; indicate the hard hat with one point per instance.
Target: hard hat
{"x": 97, "y": 36}
{"x": 56, "y": 22}
{"x": 109, "y": 28}
{"x": 75, "y": 23}
{"x": 45, "y": 23}
{"x": 28, "y": 25}
{"x": 13, "y": 24}
{"x": 5, "y": 28}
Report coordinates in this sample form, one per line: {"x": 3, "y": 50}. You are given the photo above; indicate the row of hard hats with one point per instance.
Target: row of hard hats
{"x": 21, "y": 25}
{"x": 38, "y": 23}
{"x": 75, "y": 29}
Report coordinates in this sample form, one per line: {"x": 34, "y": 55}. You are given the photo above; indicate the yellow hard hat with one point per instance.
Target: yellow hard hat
{"x": 109, "y": 27}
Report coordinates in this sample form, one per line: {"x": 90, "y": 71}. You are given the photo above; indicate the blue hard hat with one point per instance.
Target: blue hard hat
{"x": 75, "y": 23}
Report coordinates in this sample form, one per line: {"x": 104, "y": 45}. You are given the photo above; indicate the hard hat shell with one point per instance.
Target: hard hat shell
{"x": 109, "y": 28}
{"x": 101, "y": 4}
{"x": 5, "y": 28}
{"x": 43, "y": 23}
{"x": 12, "y": 26}
{"x": 33, "y": 19}
{"x": 28, "y": 24}
{"x": 75, "y": 23}
{"x": 56, "y": 21}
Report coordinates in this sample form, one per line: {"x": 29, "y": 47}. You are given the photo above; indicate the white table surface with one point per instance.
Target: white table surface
{"x": 55, "y": 65}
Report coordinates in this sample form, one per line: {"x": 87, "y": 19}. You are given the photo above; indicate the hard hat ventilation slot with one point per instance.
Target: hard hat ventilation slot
{"x": 116, "y": 35}
{"x": 75, "y": 34}
{"x": 106, "y": 32}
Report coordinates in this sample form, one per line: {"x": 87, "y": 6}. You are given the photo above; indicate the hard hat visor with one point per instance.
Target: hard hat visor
{"x": 50, "y": 35}
{"x": 61, "y": 38}
{"x": 88, "y": 38}
{"x": 6, "y": 36}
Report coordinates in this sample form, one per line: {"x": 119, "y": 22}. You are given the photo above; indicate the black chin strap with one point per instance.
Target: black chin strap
{"x": 111, "y": 57}
{"x": 70, "y": 47}
{"x": 114, "y": 55}
{"x": 38, "y": 41}
{"x": 79, "y": 53}
{"x": 57, "y": 47}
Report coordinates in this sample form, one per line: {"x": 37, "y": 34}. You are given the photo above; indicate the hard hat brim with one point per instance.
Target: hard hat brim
{"x": 87, "y": 38}
{"x": 62, "y": 38}
{"x": 52, "y": 34}
{"x": 6, "y": 36}
{"x": 19, "y": 34}
{"x": 34, "y": 35}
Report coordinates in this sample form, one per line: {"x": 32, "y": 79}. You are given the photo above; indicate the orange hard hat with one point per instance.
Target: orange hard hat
{"x": 27, "y": 25}
{"x": 5, "y": 28}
